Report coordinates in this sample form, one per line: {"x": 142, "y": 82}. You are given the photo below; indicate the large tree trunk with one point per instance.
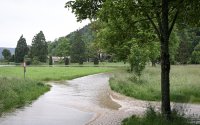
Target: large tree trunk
{"x": 165, "y": 82}
{"x": 165, "y": 62}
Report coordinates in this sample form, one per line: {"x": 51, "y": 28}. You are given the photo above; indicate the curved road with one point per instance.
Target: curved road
{"x": 86, "y": 100}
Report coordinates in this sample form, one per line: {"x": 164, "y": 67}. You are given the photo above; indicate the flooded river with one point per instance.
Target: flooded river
{"x": 86, "y": 100}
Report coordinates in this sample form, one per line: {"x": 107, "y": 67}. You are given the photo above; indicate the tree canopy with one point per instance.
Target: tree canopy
{"x": 21, "y": 50}
{"x": 6, "y": 54}
{"x": 39, "y": 47}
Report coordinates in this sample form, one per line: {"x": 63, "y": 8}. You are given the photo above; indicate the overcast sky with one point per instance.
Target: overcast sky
{"x": 28, "y": 17}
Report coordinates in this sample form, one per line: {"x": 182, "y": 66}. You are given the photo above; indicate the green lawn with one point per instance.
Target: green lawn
{"x": 185, "y": 84}
{"x": 51, "y": 73}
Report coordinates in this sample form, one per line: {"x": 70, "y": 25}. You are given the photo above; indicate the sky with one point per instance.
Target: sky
{"x": 29, "y": 17}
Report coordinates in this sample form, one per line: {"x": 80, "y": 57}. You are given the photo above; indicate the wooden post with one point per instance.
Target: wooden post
{"x": 24, "y": 65}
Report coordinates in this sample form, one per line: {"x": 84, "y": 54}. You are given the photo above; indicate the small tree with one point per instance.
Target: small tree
{"x": 50, "y": 60}
{"x": 6, "y": 54}
{"x": 138, "y": 59}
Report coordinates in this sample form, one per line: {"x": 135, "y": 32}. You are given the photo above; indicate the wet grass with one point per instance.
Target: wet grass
{"x": 18, "y": 92}
{"x": 52, "y": 73}
{"x": 154, "y": 118}
{"x": 185, "y": 84}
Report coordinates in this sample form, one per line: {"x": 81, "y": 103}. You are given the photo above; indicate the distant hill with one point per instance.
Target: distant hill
{"x": 12, "y": 50}
{"x": 87, "y": 35}
{"x": 86, "y": 32}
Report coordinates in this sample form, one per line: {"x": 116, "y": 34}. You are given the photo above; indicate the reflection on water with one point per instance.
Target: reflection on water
{"x": 66, "y": 104}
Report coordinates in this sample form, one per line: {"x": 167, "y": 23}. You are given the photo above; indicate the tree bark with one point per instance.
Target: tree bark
{"x": 165, "y": 62}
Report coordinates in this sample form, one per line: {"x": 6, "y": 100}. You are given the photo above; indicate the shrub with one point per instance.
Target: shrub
{"x": 50, "y": 60}
{"x": 35, "y": 61}
{"x": 96, "y": 61}
{"x": 66, "y": 61}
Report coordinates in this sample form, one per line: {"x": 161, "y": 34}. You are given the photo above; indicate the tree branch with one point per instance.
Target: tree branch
{"x": 154, "y": 25}
{"x": 173, "y": 22}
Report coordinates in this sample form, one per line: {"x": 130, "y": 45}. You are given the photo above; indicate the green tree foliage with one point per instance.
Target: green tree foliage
{"x": 138, "y": 58}
{"x": 184, "y": 50}
{"x": 78, "y": 49}
{"x": 39, "y": 47}
{"x": 59, "y": 47}
{"x": 161, "y": 14}
{"x": 21, "y": 50}
{"x": 174, "y": 43}
{"x": 52, "y": 47}
{"x": 196, "y": 55}
{"x": 12, "y": 59}
{"x": 63, "y": 47}
{"x": 6, "y": 54}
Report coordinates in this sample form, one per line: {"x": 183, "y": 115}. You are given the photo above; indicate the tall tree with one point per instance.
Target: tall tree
{"x": 21, "y": 50}
{"x": 6, "y": 54}
{"x": 161, "y": 14}
{"x": 78, "y": 49}
{"x": 39, "y": 47}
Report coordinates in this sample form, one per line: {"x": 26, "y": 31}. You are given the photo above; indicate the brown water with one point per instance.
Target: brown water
{"x": 67, "y": 103}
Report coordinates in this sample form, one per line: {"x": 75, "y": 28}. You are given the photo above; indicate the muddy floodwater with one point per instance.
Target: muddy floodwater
{"x": 86, "y": 100}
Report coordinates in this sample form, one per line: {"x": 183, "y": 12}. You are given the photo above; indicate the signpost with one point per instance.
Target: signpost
{"x": 24, "y": 65}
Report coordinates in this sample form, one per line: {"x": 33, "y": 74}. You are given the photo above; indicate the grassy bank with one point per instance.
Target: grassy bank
{"x": 52, "y": 73}
{"x": 154, "y": 118}
{"x": 15, "y": 92}
{"x": 185, "y": 84}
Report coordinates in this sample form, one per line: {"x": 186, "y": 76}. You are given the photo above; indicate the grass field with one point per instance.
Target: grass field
{"x": 15, "y": 91}
{"x": 185, "y": 84}
{"x": 155, "y": 118}
{"x": 51, "y": 73}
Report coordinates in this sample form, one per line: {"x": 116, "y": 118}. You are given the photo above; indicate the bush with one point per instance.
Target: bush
{"x": 81, "y": 61}
{"x": 66, "y": 61}
{"x": 35, "y": 61}
{"x": 50, "y": 60}
{"x": 96, "y": 61}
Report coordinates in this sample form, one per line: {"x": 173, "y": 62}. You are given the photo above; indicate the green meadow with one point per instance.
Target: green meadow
{"x": 184, "y": 87}
{"x": 51, "y": 73}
